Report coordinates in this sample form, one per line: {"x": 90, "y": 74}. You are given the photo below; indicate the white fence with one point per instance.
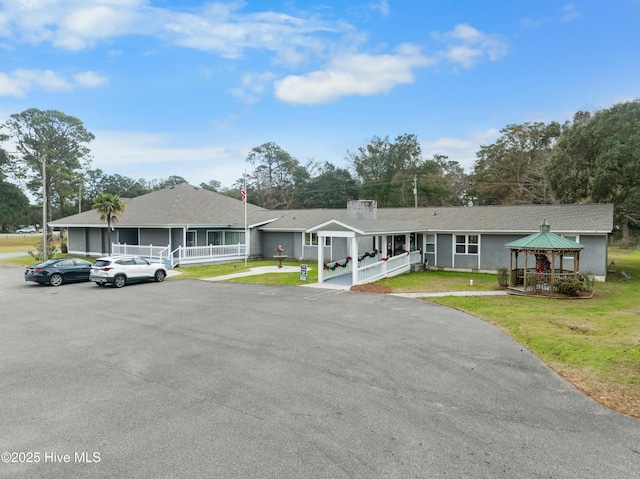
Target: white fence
{"x": 139, "y": 250}
{"x": 335, "y": 268}
{"x": 384, "y": 269}
{"x": 182, "y": 254}
{"x": 202, "y": 254}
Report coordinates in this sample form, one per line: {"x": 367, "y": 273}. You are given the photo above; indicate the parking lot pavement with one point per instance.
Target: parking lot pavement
{"x": 193, "y": 379}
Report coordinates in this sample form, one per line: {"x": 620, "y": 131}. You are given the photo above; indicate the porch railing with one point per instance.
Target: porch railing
{"x": 182, "y": 254}
{"x": 146, "y": 250}
{"x": 334, "y": 269}
{"x": 383, "y": 269}
{"x": 201, "y": 254}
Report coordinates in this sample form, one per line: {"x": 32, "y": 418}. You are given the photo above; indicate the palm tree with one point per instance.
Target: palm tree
{"x": 109, "y": 207}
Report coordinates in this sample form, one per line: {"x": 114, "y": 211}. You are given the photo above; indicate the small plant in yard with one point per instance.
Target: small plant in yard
{"x": 38, "y": 253}
{"x": 533, "y": 282}
{"x": 587, "y": 280}
{"x": 503, "y": 277}
{"x": 569, "y": 287}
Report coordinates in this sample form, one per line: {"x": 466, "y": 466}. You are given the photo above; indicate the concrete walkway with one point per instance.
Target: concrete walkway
{"x": 452, "y": 293}
{"x": 344, "y": 287}
{"x": 254, "y": 271}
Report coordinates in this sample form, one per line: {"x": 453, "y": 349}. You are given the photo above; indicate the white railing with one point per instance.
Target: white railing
{"x": 182, "y": 254}
{"x": 138, "y": 250}
{"x": 334, "y": 269}
{"x": 415, "y": 257}
{"x": 367, "y": 259}
{"x": 201, "y": 254}
{"x": 384, "y": 269}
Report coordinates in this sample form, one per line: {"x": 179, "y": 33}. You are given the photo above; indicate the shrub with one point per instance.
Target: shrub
{"x": 570, "y": 287}
{"x": 503, "y": 276}
{"x": 37, "y": 254}
{"x": 587, "y": 280}
{"x": 533, "y": 281}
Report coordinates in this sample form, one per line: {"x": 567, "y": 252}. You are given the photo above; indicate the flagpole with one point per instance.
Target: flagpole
{"x": 246, "y": 233}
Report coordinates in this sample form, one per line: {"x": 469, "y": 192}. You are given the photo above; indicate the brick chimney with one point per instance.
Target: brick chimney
{"x": 362, "y": 210}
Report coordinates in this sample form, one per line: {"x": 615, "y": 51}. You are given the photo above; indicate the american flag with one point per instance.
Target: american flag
{"x": 243, "y": 193}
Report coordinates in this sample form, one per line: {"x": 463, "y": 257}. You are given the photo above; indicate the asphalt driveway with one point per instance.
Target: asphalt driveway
{"x": 190, "y": 379}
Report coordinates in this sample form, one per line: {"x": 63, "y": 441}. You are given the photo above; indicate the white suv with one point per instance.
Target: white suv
{"x": 120, "y": 270}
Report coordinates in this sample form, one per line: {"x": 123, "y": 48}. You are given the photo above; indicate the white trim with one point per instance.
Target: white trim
{"x": 337, "y": 234}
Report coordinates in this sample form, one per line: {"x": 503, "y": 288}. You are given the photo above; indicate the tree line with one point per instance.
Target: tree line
{"x": 593, "y": 158}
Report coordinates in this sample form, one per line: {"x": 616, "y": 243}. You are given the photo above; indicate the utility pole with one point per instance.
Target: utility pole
{"x": 44, "y": 208}
{"x": 415, "y": 191}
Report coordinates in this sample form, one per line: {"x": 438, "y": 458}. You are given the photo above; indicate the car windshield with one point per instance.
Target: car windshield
{"x": 101, "y": 263}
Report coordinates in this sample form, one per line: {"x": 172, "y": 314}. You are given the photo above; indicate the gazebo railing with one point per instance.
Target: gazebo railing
{"x": 517, "y": 276}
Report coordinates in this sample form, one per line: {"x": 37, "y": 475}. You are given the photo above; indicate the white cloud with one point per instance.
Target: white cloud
{"x": 466, "y": 46}
{"x": 154, "y": 156}
{"x": 253, "y": 86}
{"x": 19, "y": 82}
{"x": 569, "y": 13}
{"x": 381, "y": 6}
{"x": 462, "y": 150}
{"x": 90, "y": 79}
{"x": 352, "y": 74}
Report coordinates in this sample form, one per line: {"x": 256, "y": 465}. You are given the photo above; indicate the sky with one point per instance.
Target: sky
{"x": 188, "y": 87}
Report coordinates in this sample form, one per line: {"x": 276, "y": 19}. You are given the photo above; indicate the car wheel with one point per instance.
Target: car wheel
{"x": 55, "y": 280}
{"x": 159, "y": 276}
{"x": 119, "y": 281}
{"x": 100, "y": 283}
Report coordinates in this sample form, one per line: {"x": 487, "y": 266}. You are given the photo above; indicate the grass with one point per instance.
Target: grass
{"x": 276, "y": 279}
{"x": 19, "y": 243}
{"x": 593, "y": 343}
{"x": 439, "y": 281}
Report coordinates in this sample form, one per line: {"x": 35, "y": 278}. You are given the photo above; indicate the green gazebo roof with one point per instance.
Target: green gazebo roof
{"x": 545, "y": 240}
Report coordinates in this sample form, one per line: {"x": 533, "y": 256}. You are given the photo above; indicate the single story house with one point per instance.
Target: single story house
{"x": 186, "y": 224}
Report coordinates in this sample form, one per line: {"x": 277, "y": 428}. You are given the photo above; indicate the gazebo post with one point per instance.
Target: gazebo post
{"x": 526, "y": 264}
{"x": 511, "y": 282}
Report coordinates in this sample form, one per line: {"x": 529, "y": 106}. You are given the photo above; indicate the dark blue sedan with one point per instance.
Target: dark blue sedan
{"x": 59, "y": 271}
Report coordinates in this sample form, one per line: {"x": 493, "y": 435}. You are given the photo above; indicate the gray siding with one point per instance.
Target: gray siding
{"x": 176, "y": 238}
{"x": 154, "y": 236}
{"x": 493, "y": 253}
{"x": 272, "y": 240}
{"x": 256, "y": 239}
{"x": 444, "y": 248}
{"x": 593, "y": 258}
{"x": 466, "y": 261}
{"x": 76, "y": 240}
{"x": 298, "y": 239}
{"x": 95, "y": 243}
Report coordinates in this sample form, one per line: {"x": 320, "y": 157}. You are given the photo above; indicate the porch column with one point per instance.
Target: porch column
{"x": 320, "y": 258}
{"x": 354, "y": 260}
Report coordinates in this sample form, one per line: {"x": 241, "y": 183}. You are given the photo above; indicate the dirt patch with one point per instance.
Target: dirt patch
{"x": 371, "y": 288}
{"x": 623, "y": 400}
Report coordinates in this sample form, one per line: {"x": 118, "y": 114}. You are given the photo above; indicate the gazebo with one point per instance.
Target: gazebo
{"x": 551, "y": 253}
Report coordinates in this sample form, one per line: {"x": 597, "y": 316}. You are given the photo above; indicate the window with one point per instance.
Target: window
{"x": 234, "y": 237}
{"x": 466, "y": 244}
{"x": 214, "y": 238}
{"x": 311, "y": 239}
{"x": 431, "y": 244}
{"x": 220, "y": 238}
